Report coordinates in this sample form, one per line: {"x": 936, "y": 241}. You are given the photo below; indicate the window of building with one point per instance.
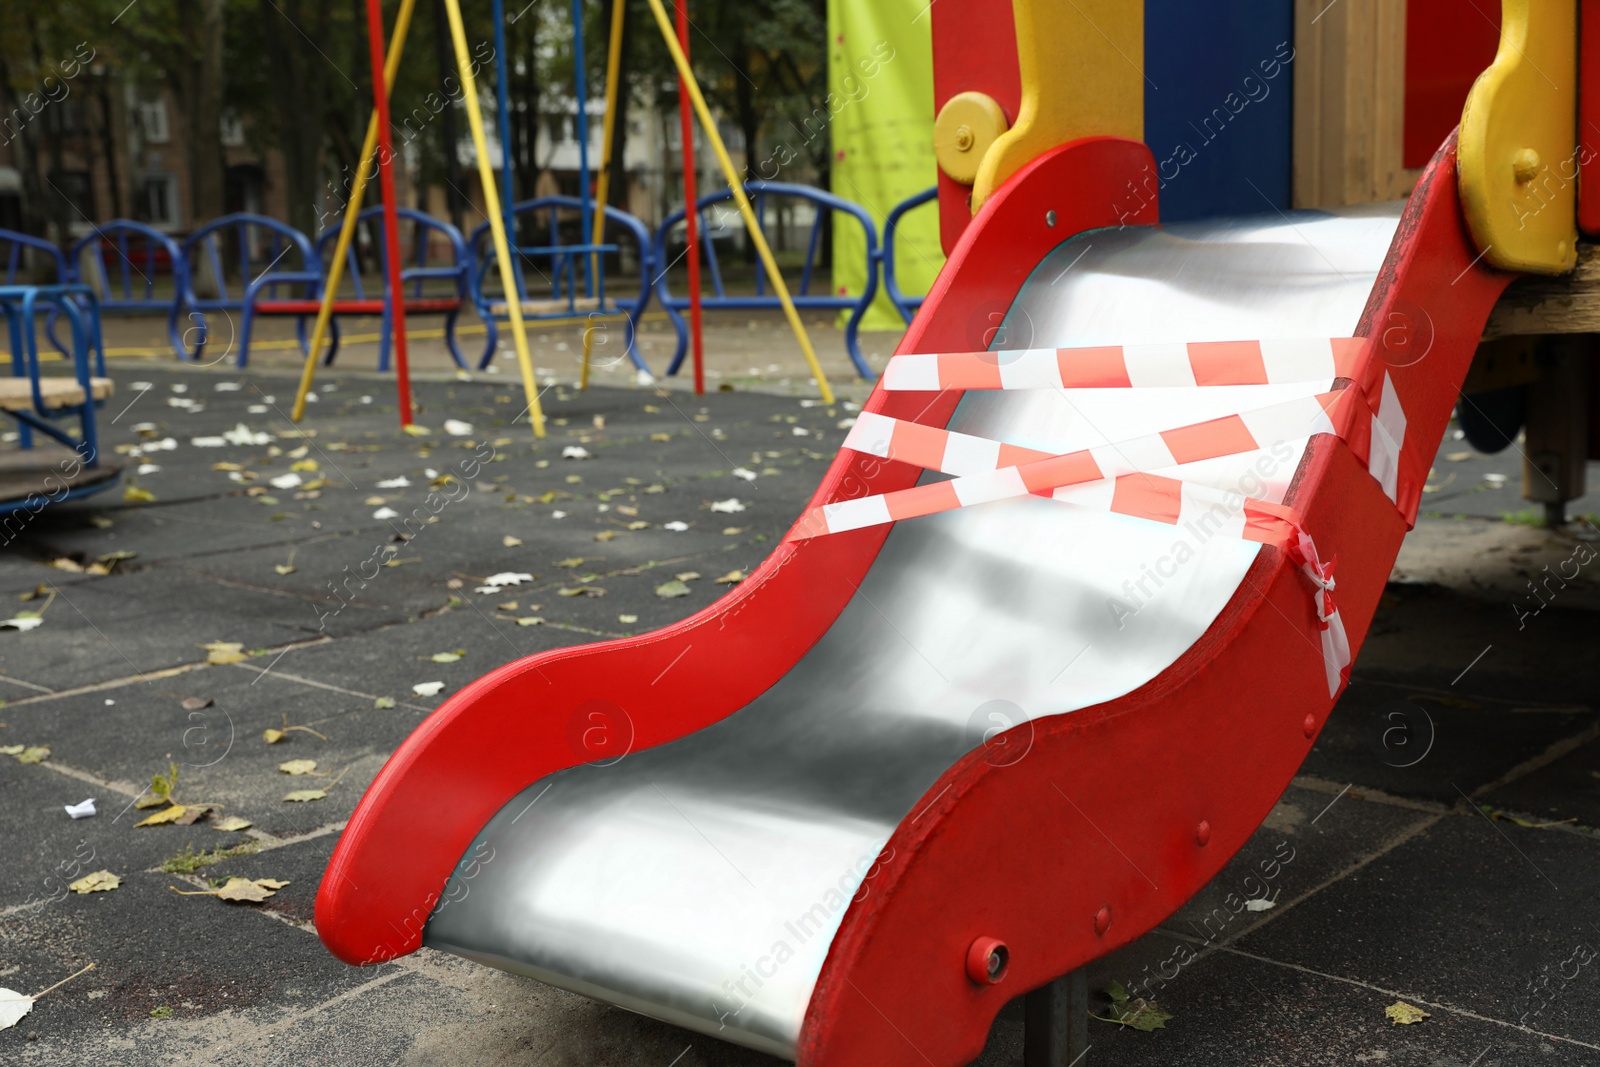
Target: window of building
{"x": 232, "y": 129}
{"x": 153, "y": 120}
{"x": 156, "y": 200}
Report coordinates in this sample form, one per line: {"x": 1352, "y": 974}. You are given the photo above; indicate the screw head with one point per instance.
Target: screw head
{"x": 1049, "y": 218}
{"x": 987, "y": 960}
{"x": 1102, "y": 920}
{"x": 1525, "y": 164}
{"x": 1202, "y": 834}
{"x": 1310, "y": 725}
{"x": 964, "y": 138}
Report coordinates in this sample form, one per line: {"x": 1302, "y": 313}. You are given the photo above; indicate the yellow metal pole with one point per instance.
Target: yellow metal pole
{"x": 347, "y": 228}
{"x": 603, "y": 188}
{"x": 750, "y": 221}
{"x": 491, "y": 207}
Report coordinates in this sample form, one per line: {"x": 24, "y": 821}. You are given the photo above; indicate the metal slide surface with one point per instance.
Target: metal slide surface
{"x": 701, "y": 882}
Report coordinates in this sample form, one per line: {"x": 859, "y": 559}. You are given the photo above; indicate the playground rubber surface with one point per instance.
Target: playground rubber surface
{"x": 1452, "y": 865}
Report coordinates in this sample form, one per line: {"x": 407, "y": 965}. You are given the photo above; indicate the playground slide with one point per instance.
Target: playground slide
{"x": 911, "y": 769}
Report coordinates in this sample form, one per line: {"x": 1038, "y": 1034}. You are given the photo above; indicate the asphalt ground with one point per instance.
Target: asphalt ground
{"x": 1441, "y": 832}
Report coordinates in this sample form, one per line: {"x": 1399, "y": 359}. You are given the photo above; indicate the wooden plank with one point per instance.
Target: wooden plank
{"x": 1349, "y": 102}
{"x": 16, "y": 394}
{"x": 1569, "y": 303}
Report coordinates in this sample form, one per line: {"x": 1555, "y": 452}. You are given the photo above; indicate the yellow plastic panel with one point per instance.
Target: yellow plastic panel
{"x": 1518, "y": 173}
{"x": 1082, "y": 69}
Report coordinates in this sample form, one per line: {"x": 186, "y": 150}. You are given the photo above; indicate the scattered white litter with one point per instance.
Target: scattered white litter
{"x": 227, "y": 387}
{"x": 366, "y": 400}
{"x": 148, "y": 468}
{"x": 745, "y": 473}
{"x": 457, "y": 428}
{"x": 1495, "y": 479}
{"x": 643, "y": 378}
{"x": 166, "y": 444}
{"x": 800, "y": 431}
{"x": 81, "y": 811}
{"x": 243, "y": 435}
{"x": 257, "y": 409}
{"x": 427, "y": 689}
{"x": 386, "y": 513}
{"x": 558, "y": 514}
{"x": 675, "y": 526}
{"x": 179, "y": 387}
{"x": 574, "y": 452}
{"x": 845, "y": 424}
{"x": 507, "y": 578}
{"x": 185, "y": 403}
{"x": 429, "y": 473}
{"x": 22, "y": 623}
{"x": 286, "y": 481}
{"x": 729, "y": 506}
{"x": 809, "y": 403}
{"x": 395, "y": 483}
{"x": 1260, "y": 904}
{"x": 311, "y": 398}
{"x": 208, "y": 442}
{"x": 140, "y": 387}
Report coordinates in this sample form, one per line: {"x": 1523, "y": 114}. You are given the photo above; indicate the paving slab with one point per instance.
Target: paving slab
{"x": 1477, "y": 915}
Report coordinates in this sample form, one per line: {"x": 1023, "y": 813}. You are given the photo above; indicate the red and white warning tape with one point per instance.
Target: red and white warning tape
{"x": 1117, "y": 477}
{"x": 1196, "y": 363}
{"x": 1042, "y": 474}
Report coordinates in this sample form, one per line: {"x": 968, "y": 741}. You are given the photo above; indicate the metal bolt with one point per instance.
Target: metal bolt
{"x": 1310, "y": 725}
{"x": 1202, "y": 833}
{"x": 1049, "y": 218}
{"x": 1102, "y": 920}
{"x": 1525, "y": 164}
{"x": 964, "y": 138}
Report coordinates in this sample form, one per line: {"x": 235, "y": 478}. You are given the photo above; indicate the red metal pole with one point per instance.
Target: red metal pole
{"x": 391, "y": 220}
{"x": 691, "y": 216}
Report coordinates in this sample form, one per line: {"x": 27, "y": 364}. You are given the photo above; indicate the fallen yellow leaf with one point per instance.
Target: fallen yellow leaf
{"x": 98, "y": 882}
{"x": 221, "y": 652}
{"x": 1402, "y": 1014}
{"x": 298, "y": 766}
{"x": 165, "y": 815}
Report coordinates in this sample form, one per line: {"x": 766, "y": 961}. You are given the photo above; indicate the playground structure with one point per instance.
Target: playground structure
{"x": 957, "y": 737}
{"x": 64, "y": 466}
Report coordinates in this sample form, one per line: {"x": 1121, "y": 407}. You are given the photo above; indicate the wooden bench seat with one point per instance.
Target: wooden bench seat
{"x": 16, "y": 394}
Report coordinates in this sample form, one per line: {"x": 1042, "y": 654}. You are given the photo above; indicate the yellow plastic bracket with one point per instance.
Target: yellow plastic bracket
{"x": 1082, "y": 68}
{"x": 1516, "y": 155}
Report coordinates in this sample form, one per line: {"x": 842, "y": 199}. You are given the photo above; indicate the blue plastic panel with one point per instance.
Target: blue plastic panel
{"x": 1219, "y": 105}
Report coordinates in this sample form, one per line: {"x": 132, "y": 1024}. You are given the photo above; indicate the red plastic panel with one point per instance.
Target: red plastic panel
{"x": 1448, "y": 44}
{"x": 1588, "y": 153}
{"x": 536, "y": 716}
{"x": 974, "y": 48}
{"x": 1110, "y": 821}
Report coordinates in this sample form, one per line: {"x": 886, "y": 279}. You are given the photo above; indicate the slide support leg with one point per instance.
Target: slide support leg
{"x": 1056, "y": 1023}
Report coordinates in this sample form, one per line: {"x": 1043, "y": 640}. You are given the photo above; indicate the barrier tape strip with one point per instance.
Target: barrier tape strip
{"x": 1196, "y": 363}
{"x": 1336, "y": 412}
{"x": 1117, "y": 477}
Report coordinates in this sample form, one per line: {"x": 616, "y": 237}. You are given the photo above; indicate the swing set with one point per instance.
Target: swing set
{"x": 501, "y": 208}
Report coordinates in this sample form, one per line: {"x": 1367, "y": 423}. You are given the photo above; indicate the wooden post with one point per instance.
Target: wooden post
{"x": 1349, "y": 102}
